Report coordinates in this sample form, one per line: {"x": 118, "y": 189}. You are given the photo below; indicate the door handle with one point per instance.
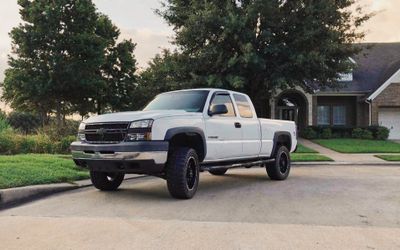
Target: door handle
{"x": 238, "y": 125}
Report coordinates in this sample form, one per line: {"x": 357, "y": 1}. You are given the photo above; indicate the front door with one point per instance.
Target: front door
{"x": 223, "y": 133}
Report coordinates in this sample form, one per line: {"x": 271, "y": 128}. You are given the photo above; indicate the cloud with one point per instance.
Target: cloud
{"x": 384, "y": 26}
{"x": 149, "y": 43}
{"x": 3, "y": 61}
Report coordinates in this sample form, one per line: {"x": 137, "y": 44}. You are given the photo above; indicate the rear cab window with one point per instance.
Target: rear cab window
{"x": 243, "y": 106}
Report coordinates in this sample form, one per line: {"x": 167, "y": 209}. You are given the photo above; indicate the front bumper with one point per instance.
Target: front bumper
{"x": 128, "y": 157}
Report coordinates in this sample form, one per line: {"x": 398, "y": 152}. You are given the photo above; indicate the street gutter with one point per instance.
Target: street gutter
{"x": 12, "y": 197}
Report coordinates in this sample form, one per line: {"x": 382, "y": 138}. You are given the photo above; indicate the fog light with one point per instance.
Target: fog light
{"x": 139, "y": 136}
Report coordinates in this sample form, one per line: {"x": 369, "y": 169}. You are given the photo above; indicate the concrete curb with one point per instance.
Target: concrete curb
{"x": 12, "y": 197}
{"x": 15, "y": 196}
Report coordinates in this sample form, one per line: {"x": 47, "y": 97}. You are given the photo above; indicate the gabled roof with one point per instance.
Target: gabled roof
{"x": 375, "y": 65}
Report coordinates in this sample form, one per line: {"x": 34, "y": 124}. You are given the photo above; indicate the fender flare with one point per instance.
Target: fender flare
{"x": 276, "y": 140}
{"x": 188, "y": 131}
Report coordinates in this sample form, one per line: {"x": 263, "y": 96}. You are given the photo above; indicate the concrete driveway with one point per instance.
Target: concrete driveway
{"x": 330, "y": 207}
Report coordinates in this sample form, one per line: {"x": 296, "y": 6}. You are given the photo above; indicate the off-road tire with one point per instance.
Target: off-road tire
{"x": 218, "y": 171}
{"x": 280, "y": 168}
{"x": 106, "y": 181}
{"x": 182, "y": 172}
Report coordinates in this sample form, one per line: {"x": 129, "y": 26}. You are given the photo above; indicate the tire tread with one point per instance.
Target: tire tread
{"x": 176, "y": 180}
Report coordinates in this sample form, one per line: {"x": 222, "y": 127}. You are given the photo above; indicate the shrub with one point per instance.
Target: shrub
{"x": 309, "y": 133}
{"x": 366, "y": 134}
{"x": 12, "y": 143}
{"x": 44, "y": 144}
{"x": 27, "y": 144}
{"x": 382, "y": 133}
{"x": 63, "y": 145}
{"x": 4, "y": 125}
{"x": 360, "y": 133}
{"x": 57, "y": 133}
{"x": 24, "y": 122}
{"x": 357, "y": 133}
{"x": 342, "y": 132}
{"x": 7, "y": 142}
{"x": 371, "y": 132}
{"x": 326, "y": 133}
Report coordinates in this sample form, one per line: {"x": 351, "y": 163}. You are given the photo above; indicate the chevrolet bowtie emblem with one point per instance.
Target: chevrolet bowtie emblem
{"x": 101, "y": 132}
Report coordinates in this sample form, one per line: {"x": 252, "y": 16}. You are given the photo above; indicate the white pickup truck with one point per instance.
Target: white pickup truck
{"x": 178, "y": 135}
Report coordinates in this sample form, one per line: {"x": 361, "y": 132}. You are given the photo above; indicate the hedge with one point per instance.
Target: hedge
{"x": 323, "y": 132}
{"x": 13, "y": 143}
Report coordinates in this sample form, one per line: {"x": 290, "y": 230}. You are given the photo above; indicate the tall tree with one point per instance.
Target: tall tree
{"x": 65, "y": 59}
{"x": 259, "y": 46}
{"x": 166, "y": 71}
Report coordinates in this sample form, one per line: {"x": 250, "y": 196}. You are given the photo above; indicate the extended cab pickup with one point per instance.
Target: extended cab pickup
{"x": 181, "y": 133}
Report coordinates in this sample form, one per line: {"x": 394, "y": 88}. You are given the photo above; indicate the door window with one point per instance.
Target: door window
{"x": 243, "y": 106}
{"x": 224, "y": 99}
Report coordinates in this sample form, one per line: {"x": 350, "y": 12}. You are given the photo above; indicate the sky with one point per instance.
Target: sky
{"x": 137, "y": 21}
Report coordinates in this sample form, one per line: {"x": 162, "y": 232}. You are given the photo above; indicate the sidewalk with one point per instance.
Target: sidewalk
{"x": 341, "y": 157}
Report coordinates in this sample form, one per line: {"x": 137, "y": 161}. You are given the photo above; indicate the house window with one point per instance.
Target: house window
{"x": 323, "y": 115}
{"x": 339, "y": 115}
{"x": 346, "y": 77}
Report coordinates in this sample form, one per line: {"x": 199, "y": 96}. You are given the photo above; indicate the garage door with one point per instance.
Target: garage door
{"x": 390, "y": 118}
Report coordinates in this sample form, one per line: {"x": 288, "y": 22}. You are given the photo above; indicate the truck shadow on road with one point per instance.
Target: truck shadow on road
{"x": 156, "y": 189}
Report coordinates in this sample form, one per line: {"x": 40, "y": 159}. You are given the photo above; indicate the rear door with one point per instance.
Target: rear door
{"x": 251, "y": 134}
{"x": 223, "y": 132}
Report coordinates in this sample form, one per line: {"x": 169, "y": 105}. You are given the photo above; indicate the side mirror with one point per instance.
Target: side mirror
{"x": 218, "y": 109}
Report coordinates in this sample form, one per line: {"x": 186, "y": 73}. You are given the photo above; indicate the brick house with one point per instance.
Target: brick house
{"x": 370, "y": 96}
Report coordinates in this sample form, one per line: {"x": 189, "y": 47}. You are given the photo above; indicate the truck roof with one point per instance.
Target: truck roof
{"x": 207, "y": 89}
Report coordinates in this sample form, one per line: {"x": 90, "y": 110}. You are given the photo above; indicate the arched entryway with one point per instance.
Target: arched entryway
{"x": 292, "y": 105}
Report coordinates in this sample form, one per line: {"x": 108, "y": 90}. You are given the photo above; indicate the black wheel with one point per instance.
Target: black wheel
{"x": 106, "y": 181}
{"x": 182, "y": 173}
{"x": 218, "y": 171}
{"x": 280, "y": 168}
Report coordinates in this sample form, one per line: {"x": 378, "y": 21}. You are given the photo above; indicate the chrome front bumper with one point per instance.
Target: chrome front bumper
{"x": 159, "y": 157}
{"x": 130, "y": 157}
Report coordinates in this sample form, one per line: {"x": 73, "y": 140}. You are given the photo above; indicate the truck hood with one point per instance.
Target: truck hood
{"x": 137, "y": 115}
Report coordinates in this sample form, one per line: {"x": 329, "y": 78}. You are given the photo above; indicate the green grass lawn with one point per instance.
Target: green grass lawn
{"x": 360, "y": 146}
{"x": 389, "y": 157}
{"x": 303, "y": 157}
{"x": 32, "y": 169}
{"x": 303, "y": 149}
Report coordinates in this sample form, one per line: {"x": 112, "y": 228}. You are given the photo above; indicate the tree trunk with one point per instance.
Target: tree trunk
{"x": 59, "y": 115}
{"x": 43, "y": 117}
{"x": 98, "y": 108}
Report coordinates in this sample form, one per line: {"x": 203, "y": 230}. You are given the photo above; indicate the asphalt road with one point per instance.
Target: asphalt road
{"x": 329, "y": 207}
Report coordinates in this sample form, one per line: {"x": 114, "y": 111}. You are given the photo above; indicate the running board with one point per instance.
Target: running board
{"x": 217, "y": 165}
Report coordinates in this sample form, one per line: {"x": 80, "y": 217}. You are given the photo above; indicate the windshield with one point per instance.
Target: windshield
{"x": 190, "y": 101}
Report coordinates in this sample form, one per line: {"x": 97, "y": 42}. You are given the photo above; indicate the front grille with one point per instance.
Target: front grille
{"x": 106, "y": 132}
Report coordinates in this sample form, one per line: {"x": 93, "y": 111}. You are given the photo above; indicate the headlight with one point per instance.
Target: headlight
{"x": 140, "y": 130}
{"x": 141, "y": 124}
{"x": 81, "y": 132}
{"x": 81, "y": 126}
